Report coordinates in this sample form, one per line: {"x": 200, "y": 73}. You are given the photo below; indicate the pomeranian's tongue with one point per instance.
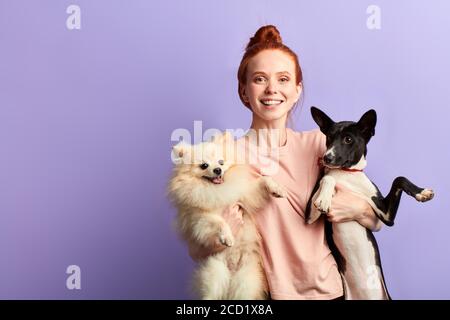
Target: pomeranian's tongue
{"x": 217, "y": 180}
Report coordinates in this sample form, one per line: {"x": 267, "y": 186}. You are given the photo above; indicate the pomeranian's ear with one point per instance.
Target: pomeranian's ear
{"x": 180, "y": 151}
{"x": 216, "y": 138}
{"x": 225, "y": 137}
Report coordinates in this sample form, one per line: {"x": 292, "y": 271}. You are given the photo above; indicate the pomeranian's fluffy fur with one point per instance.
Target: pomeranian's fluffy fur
{"x": 204, "y": 183}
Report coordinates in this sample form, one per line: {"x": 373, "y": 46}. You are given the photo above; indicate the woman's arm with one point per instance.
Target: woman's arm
{"x": 370, "y": 219}
{"x": 348, "y": 206}
{"x": 197, "y": 252}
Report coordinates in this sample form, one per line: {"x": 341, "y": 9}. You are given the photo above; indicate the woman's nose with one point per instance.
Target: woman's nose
{"x": 271, "y": 88}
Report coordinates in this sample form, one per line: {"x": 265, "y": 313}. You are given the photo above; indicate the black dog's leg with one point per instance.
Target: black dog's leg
{"x": 389, "y": 205}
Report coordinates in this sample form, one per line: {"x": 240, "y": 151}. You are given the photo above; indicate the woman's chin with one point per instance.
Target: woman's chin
{"x": 273, "y": 115}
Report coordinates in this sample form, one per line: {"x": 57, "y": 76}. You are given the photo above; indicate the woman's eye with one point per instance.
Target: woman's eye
{"x": 284, "y": 79}
{"x": 204, "y": 166}
{"x": 348, "y": 140}
{"x": 260, "y": 79}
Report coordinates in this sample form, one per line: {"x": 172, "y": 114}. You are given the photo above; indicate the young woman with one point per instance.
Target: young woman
{"x": 296, "y": 258}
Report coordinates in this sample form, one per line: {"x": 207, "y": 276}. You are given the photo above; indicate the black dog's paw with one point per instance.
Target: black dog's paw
{"x": 425, "y": 195}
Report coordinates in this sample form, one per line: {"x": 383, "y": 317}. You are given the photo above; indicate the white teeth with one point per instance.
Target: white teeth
{"x": 271, "y": 102}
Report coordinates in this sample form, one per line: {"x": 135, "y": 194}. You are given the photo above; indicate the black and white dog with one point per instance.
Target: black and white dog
{"x": 354, "y": 246}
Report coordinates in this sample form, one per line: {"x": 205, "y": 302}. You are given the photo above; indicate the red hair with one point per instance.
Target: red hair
{"x": 266, "y": 38}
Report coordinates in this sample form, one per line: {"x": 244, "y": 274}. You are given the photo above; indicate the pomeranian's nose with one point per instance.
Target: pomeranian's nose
{"x": 217, "y": 171}
{"x": 327, "y": 158}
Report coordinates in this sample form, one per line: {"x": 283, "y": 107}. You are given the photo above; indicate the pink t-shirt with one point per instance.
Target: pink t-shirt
{"x": 297, "y": 260}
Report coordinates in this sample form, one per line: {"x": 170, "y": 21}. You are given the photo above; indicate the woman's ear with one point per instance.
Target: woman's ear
{"x": 243, "y": 94}
{"x": 299, "y": 88}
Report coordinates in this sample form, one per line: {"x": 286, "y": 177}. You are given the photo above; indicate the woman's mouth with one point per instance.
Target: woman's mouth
{"x": 271, "y": 103}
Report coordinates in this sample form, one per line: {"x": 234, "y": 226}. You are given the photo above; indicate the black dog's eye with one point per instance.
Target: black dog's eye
{"x": 221, "y": 162}
{"x": 348, "y": 140}
{"x": 204, "y": 166}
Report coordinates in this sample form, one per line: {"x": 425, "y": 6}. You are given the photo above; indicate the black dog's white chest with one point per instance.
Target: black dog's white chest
{"x": 355, "y": 181}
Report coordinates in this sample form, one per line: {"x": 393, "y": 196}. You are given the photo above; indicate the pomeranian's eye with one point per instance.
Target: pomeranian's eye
{"x": 204, "y": 166}
{"x": 348, "y": 140}
{"x": 221, "y": 162}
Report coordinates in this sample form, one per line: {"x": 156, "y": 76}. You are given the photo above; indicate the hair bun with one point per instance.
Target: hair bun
{"x": 267, "y": 33}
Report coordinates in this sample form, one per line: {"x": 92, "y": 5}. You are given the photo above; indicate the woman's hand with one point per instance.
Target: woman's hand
{"x": 233, "y": 216}
{"x": 347, "y": 206}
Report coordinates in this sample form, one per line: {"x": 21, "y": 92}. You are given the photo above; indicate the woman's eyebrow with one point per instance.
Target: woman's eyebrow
{"x": 258, "y": 72}
{"x": 278, "y": 73}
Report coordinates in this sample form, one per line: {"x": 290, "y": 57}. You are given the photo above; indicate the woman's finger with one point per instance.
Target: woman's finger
{"x": 330, "y": 213}
{"x": 237, "y": 214}
{"x": 340, "y": 187}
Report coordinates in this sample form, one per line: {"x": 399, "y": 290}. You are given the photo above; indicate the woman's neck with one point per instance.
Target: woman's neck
{"x": 270, "y": 133}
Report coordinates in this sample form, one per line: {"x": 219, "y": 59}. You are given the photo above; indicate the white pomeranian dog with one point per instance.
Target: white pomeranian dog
{"x": 206, "y": 180}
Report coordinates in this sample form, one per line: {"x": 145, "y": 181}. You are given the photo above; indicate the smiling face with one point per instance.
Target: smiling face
{"x": 206, "y": 161}
{"x": 210, "y": 163}
{"x": 271, "y": 88}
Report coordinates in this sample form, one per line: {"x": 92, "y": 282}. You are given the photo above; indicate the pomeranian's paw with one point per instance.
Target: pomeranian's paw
{"x": 279, "y": 193}
{"x": 313, "y": 216}
{"x": 425, "y": 195}
{"x": 226, "y": 240}
{"x": 323, "y": 204}
{"x": 274, "y": 188}
{"x": 226, "y": 236}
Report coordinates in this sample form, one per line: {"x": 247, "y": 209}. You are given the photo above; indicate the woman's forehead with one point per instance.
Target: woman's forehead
{"x": 273, "y": 61}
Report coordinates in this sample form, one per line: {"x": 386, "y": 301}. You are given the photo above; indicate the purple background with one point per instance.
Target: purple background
{"x": 86, "y": 118}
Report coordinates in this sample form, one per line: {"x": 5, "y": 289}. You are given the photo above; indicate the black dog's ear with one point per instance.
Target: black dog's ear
{"x": 324, "y": 122}
{"x": 367, "y": 124}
